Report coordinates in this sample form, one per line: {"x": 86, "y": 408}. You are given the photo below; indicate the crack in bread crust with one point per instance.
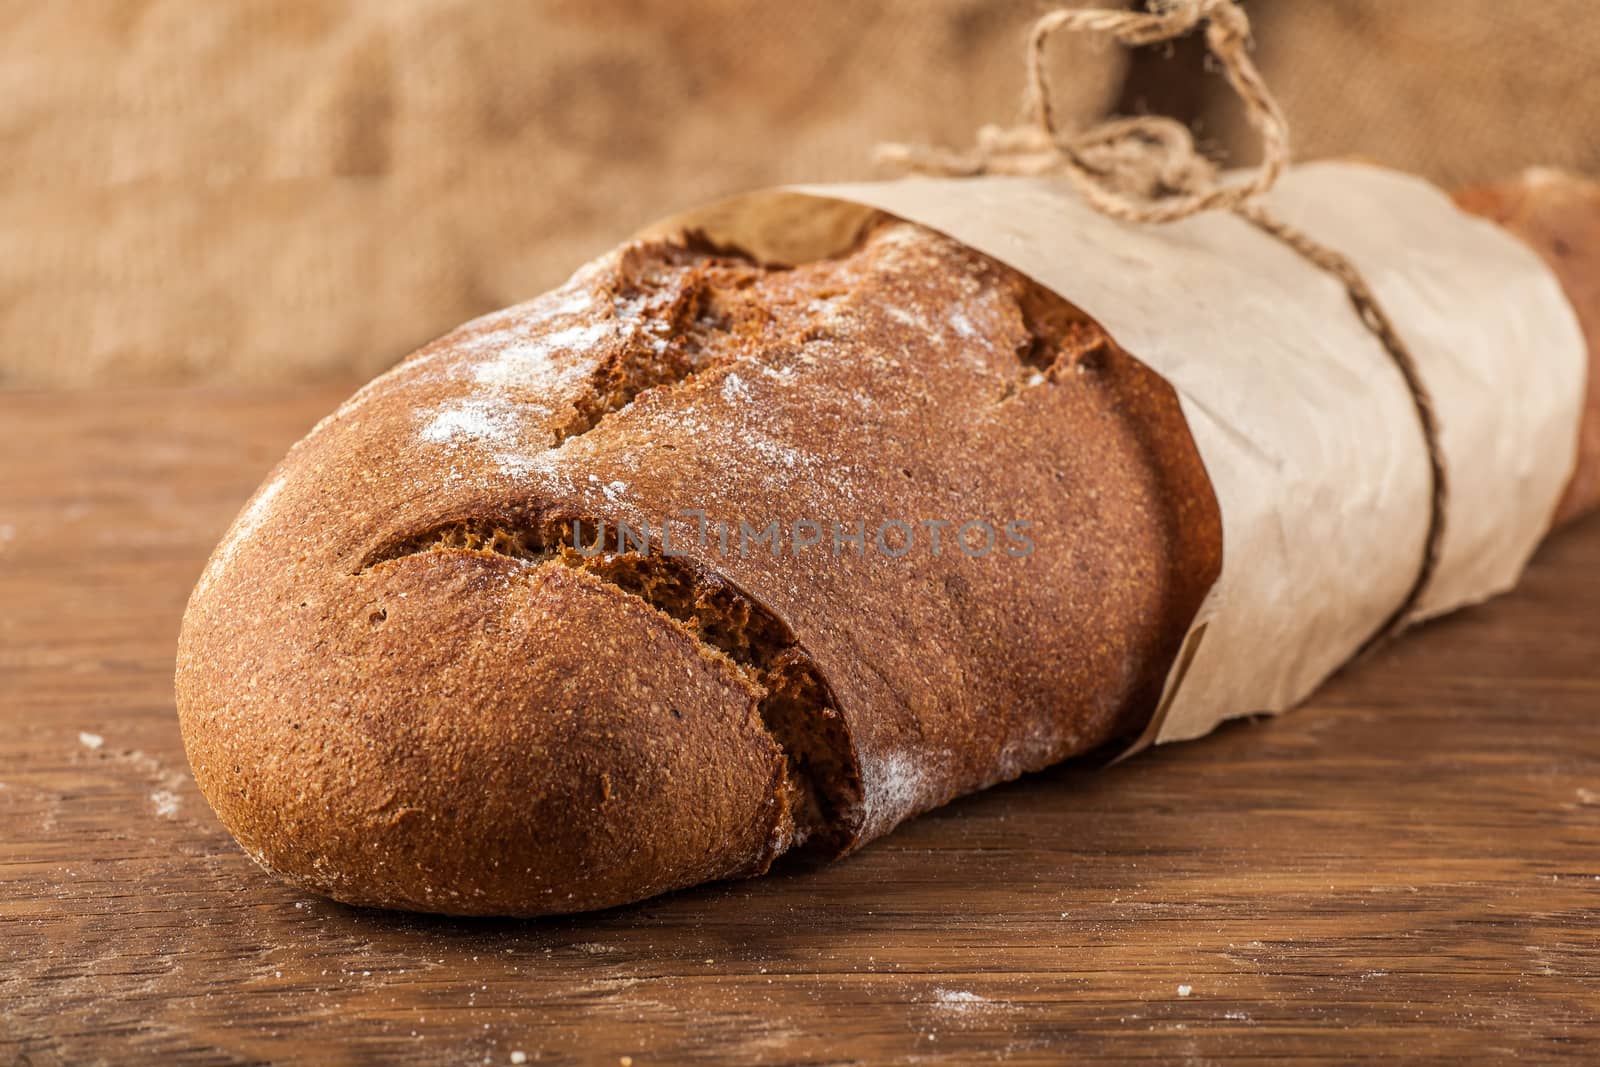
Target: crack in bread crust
{"x": 823, "y": 786}
{"x": 673, "y": 296}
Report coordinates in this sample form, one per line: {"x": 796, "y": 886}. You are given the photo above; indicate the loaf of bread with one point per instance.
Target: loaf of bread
{"x": 697, "y": 563}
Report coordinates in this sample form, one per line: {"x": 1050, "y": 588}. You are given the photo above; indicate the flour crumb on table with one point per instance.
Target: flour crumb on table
{"x": 961, "y": 1000}
{"x": 92, "y": 742}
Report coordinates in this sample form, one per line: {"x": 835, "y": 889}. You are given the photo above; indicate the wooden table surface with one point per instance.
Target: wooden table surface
{"x": 1408, "y": 868}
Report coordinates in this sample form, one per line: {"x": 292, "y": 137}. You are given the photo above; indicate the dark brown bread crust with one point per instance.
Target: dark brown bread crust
{"x": 401, "y": 685}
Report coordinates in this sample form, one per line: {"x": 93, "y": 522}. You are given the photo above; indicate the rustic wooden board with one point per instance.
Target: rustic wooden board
{"x": 1406, "y": 869}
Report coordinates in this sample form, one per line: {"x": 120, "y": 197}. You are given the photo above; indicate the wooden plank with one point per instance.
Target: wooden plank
{"x": 1405, "y": 869}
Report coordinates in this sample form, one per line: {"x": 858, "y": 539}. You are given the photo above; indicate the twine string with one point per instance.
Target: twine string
{"x": 1146, "y": 170}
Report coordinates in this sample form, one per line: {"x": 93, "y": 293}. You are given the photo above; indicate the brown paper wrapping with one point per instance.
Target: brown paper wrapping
{"x": 1304, "y": 424}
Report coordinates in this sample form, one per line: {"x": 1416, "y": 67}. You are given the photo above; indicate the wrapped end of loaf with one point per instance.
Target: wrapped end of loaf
{"x": 1557, "y": 214}
{"x": 460, "y": 731}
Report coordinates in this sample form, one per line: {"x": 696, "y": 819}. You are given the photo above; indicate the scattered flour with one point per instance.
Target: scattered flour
{"x": 571, "y": 299}
{"x": 520, "y": 376}
{"x": 632, "y": 309}
{"x": 471, "y": 419}
{"x": 734, "y": 390}
{"x": 965, "y": 1003}
{"x": 960, "y": 1000}
{"x": 166, "y": 803}
{"x": 165, "y": 798}
{"x": 894, "y": 787}
{"x": 781, "y": 375}
{"x": 906, "y": 318}
{"x": 1030, "y": 749}
{"x": 1185, "y": 990}
{"x": 528, "y": 363}
{"x": 501, "y": 329}
{"x": 776, "y": 455}
{"x": 962, "y": 325}
{"x": 492, "y": 415}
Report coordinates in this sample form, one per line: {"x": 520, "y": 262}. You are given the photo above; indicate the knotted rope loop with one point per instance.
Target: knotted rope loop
{"x": 1144, "y": 169}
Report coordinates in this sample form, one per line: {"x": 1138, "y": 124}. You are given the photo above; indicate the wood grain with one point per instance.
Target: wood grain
{"x": 1406, "y": 869}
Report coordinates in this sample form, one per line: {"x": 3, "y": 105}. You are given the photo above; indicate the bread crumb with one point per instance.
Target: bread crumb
{"x": 92, "y": 742}
{"x": 519, "y": 1056}
{"x": 1185, "y": 990}
{"x": 625, "y": 1061}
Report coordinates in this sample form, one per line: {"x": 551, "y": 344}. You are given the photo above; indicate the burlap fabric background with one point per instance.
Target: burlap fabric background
{"x": 1459, "y": 90}
{"x": 263, "y": 191}
{"x": 253, "y": 191}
